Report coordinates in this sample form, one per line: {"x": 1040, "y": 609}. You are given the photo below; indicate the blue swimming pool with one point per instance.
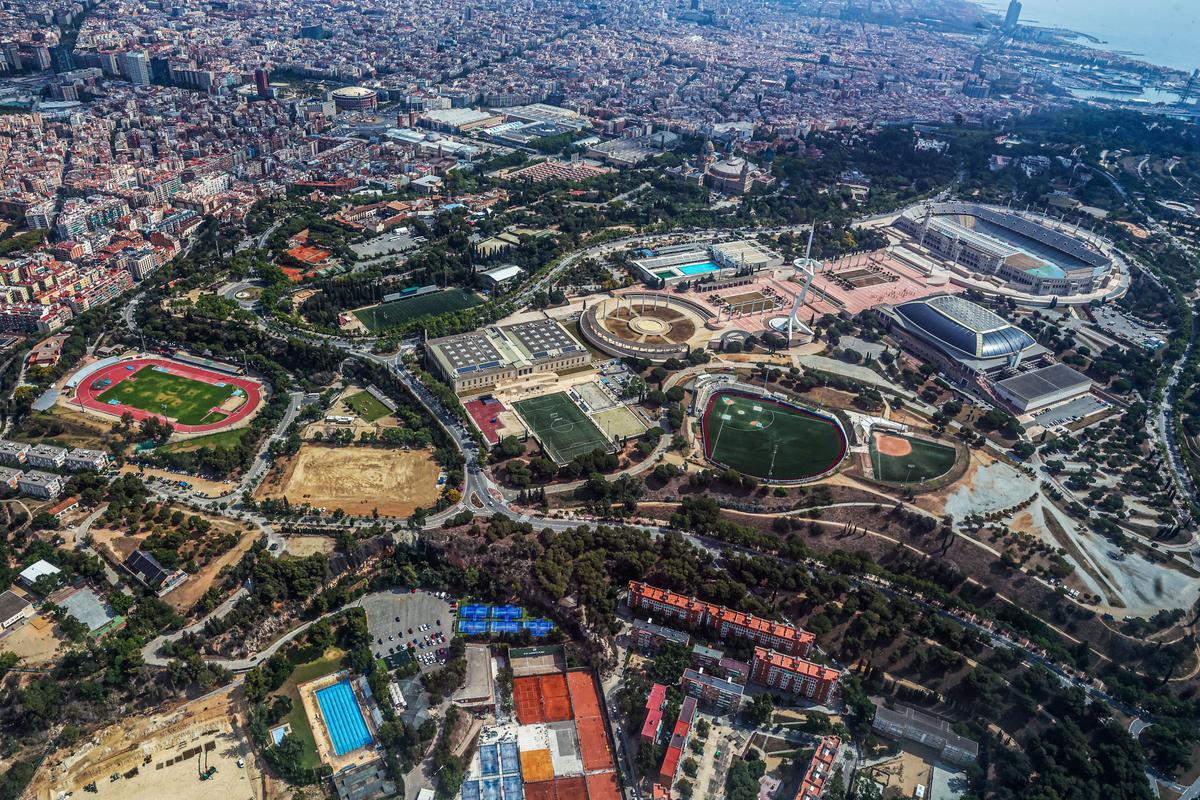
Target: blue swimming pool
{"x": 698, "y": 269}
{"x": 343, "y": 718}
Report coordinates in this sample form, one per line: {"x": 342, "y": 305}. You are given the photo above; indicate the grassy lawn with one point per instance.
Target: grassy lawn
{"x": 297, "y": 719}
{"x": 397, "y": 312}
{"x": 221, "y": 440}
{"x": 185, "y": 400}
{"x": 367, "y": 406}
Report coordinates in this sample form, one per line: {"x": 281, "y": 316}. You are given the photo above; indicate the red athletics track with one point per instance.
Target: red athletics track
{"x": 86, "y": 396}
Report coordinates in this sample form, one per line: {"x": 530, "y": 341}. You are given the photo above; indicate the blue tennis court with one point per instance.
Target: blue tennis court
{"x": 474, "y": 611}
{"x": 510, "y": 759}
{"x": 538, "y": 627}
{"x": 472, "y": 627}
{"x": 343, "y": 718}
{"x": 489, "y": 789}
{"x": 506, "y": 626}
{"x": 489, "y": 760}
{"x": 470, "y": 790}
{"x": 514, "y": 787}
{"x": 507, "y": 612}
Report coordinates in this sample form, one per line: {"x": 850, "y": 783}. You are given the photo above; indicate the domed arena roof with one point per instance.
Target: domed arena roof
{"x": 966, "y": 327}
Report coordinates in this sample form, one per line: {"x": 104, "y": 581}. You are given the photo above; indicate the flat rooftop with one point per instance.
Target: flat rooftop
{"x": 1043, "y": 382}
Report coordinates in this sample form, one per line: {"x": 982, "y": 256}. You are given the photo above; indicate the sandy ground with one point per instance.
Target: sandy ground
{"x": 903, "y": 774}
{"x": 988, "y": 486}
{"x": 204, "y": 485}
{"x": 155, "y": 745}
{"x": 356, "y": 479}
{"x": 619, "y": 422}
{"x": 35, "y": 642}
{"x": 301, "y": 546}
{"x": 892, "y": 445}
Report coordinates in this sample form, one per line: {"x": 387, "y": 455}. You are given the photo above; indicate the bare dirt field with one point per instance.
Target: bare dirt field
{"x": 302, "y": 546}
{"x": 159, "y": 756}
{"x": 903, "y": 774}
{"x": 356, "y": 479}
{"x": 35, "y": 642}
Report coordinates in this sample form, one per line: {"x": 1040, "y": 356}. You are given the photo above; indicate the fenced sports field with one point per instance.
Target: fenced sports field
{"x": 195, "y": 399}
{"x": 561, "y": 426}
{"x": 768, "y": 439}
{"x": 398, "y": 312}
{"x": 906, "y": 459}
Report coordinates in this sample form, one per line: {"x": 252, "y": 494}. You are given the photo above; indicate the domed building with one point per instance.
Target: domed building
{"x": 965, "y": 339}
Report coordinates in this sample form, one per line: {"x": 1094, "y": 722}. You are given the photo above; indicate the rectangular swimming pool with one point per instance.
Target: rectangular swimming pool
{"x": 343, "y": 718}
{"x": 698, "y": 269}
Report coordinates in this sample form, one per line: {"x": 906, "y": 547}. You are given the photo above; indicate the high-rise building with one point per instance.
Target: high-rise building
{"x": 262, "y": 83}
{"x": 1013, "y": 16}
{"x": 134, "y": 67}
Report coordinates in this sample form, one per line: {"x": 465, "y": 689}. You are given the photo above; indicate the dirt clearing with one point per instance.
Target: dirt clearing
{"x": 159, "y": 756}
{"x": 357, "y": 480}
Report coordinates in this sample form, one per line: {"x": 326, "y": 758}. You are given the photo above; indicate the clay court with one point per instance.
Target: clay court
{"x": 196, "y": 400}
{"x": 541, "y": 698}
{"x": 357, "y": 480}
{"x": 593, "y": 743}
{"x": 603, "y": 786}
{"x": 561, "y": 789}
{"x": 537, "y": 765}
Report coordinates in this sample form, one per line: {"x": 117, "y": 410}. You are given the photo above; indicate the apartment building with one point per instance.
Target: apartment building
{"x": 798, "y": 676}
{"x": 722, "y": 623}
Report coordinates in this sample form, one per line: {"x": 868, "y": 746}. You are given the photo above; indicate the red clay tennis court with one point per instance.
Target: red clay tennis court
{"x": 603, "y": 786}
{"x": 570, "y": 789}
{"x": 556, "y": 704}
{"x": 593, "y": 743}
{"x": 89, "y": 390}
{"x": 527, "y": 700}
{"x": 541, "y": 790}
{"x": 583, "y": 694}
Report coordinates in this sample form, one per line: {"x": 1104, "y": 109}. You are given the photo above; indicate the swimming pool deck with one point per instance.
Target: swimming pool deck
{"x": 312, "y": 712}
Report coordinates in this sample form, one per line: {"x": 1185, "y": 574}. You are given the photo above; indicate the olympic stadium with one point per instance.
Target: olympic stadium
{"x": 1007, "y": 249}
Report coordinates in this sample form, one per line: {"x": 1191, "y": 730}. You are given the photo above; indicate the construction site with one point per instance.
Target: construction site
{"x": 196, "y": 751}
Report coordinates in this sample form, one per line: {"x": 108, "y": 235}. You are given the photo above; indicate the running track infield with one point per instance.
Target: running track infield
{"x": 88, "y": 397}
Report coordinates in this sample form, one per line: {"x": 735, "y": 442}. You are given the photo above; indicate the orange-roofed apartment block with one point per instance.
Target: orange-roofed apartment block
{"x": 789, "y": 674}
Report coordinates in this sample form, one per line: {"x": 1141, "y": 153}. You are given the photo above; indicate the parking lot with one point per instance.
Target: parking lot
{"x": 1076, "y": 409}
{"x": 391, "y": 617}
{"x": 384, "y": 245}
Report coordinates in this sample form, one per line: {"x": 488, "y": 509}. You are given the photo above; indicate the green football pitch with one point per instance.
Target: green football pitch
{"x": 561, "y": 426}
{"x": 928, "y": 460}
{"x": 187, "y": 401}
{"x": 770, "y": 440}
{"x": 397, "y": 312}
